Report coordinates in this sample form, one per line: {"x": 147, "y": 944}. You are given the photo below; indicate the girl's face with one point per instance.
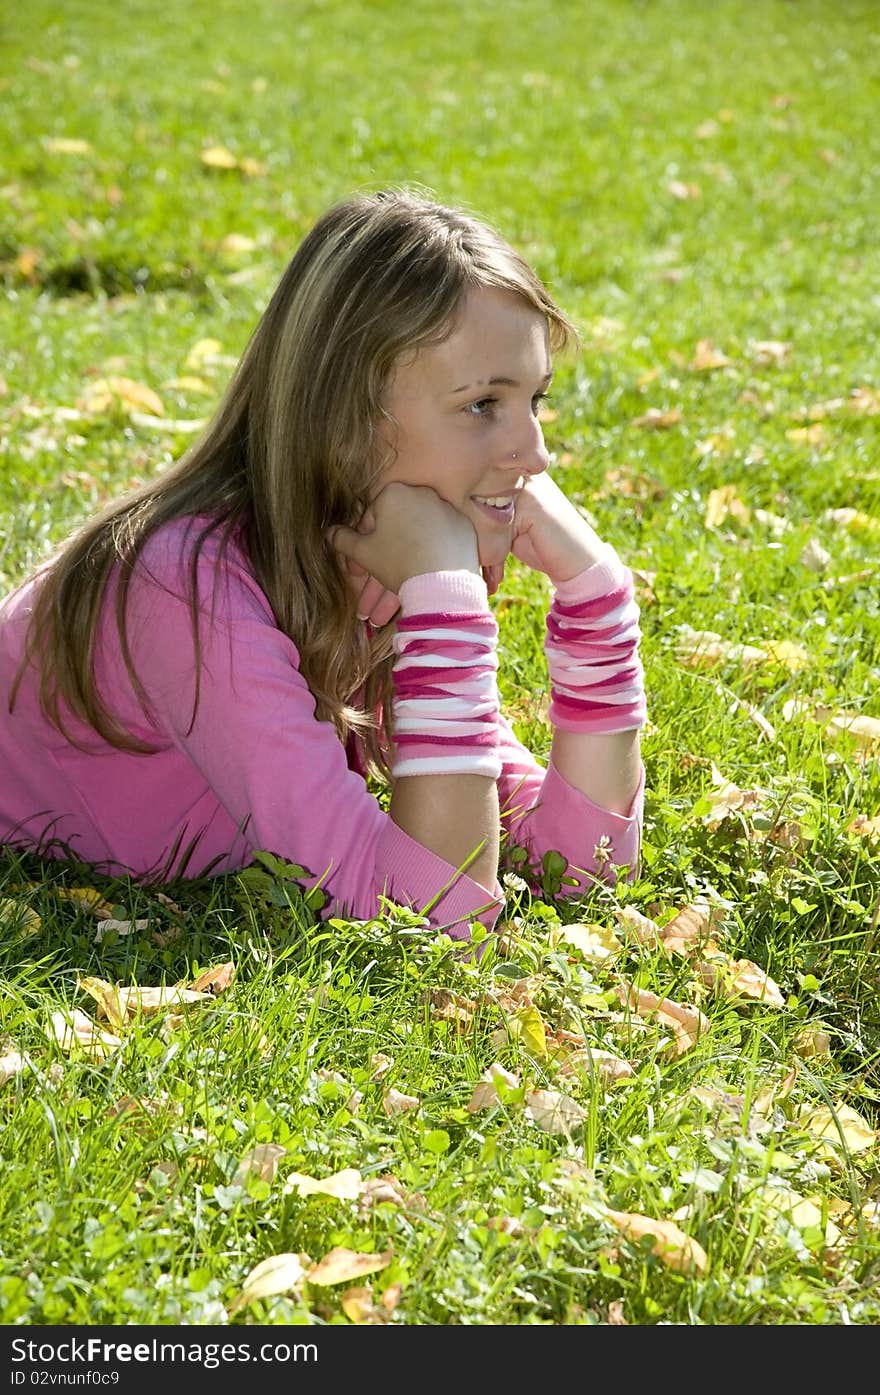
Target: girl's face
{"x": 466, "y": 412}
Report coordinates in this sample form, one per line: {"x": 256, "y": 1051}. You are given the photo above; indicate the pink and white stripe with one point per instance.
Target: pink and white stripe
{"x": 592, "y": 650}
{"x": 445, "y": 693}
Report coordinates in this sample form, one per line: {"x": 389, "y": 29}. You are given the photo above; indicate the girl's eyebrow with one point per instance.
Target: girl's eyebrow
{"x": 497, "y": 382}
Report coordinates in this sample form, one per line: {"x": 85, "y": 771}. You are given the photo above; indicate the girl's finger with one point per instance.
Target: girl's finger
{"x": 371, "y": 594}
{"x": 385, "y": 609}
{"x": 493, "y": 577}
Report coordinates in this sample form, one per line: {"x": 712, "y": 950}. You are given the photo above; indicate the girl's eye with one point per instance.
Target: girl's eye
{"x": 481, "y": 408}
{"x": 538, "y": 398}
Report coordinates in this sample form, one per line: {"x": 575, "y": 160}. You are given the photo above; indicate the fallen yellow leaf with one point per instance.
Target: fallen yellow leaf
{"x": 75, "y": 1029}
{"x": 677, "y": 1250}
{"x": 217, "y": 979}
{"x": 595, "y": 942}
{"x": 590, "y": 1061}
{"x": 260, "y": 1161}
{"x": 346, "y": 1185}
{"x": 657, "y": 420}
{"x": 864, "y": 827}
{"x": 801, "y": 1211}
{"x": 840, "y": 1124}
{"x": 107, "y": 394}
{"x": 396, "y": 1102}
{"x": 19, "y": 917}
{"x": 485, "y": 1092}
{"x": 11, "y": 1064}
{"x": 341, "y": 1265}
{"x": 686, "y": 1023}
{"x": 528, "y": 1025}
{"x": 740, "y": 978}
{"x": 217, "y": 157}
{"x": 707, "y": 357}
{"x": 642, "y": 929}
{"x": 553, "y": 1112}
{"x": 283, "y": 1273}
{"x": 66, "y": 145}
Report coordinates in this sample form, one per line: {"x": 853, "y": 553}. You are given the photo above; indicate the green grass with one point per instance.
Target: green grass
{"x": 576, "y": 131}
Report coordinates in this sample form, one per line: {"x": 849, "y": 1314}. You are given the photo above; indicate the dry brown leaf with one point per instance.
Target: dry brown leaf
{"x": 741, "y": 979}
{"x": 642, "y": 929}
{"x": 864, "y": 827}
{"x": 108, "y": 394}
{"x": 656, "y": 419}
{"x": 767, "y": 353}
{"x": 590, "y": 1061}
{"x": 341, "y": 1265}
{"x": 217, "y": 979}
{"x": 707, "y": 357}
{"x": 357, "y": 1304}
{"x": 85, "y": 898}
{"x": 260, "y": 1161}
{"x": 75, "y": 1029}
{"x": 677, "y": 1250}
{"x": 66, "y": 145}
{"x": 686, "y": 1023}
{"x": 865, "y": 731}
{"x": 595, "y": 942}
{"x": 396, "y": 1102}
{"x": 830, "y": 1124}
{"x": 723, "y": 502}
{"x": 217, "y": 157}
{"x": 120, "y": 928}
{"x": 691, "y": 928}
{"x": 452, "y": 1007}
{"x": 727, "y": 798}
{"x": 380, "y": 1065}
{"x": 485, "y": 1092}
{"x": 814, "y": 556}
{"x": 682, "y": 189}
{"x": 12, "y": 1063}
{"x": 386, "y": 1188}
{"x": 553, "y": 1112}
{"x": 346, "y": 1185}
{"x": 283, "y": 1273}
{"x": 813, "y": 1041}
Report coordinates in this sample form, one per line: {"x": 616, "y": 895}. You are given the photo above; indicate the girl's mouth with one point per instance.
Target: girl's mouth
{"x": 500, "y": 508}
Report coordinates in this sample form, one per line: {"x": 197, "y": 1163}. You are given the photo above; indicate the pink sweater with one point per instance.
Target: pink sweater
{"x": 254, "y": 769}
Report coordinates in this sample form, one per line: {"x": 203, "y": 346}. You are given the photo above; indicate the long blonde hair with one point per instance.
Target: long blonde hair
{"x": 289, "y": 452}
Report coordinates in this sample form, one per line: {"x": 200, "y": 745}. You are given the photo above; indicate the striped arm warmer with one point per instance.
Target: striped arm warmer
{"x": 592, "y": 649}
{"x": 445, "y": 695}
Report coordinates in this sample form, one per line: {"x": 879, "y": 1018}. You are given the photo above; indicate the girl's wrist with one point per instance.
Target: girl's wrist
{"x": 449, "y": 591}
{"x": 603, "y": 572}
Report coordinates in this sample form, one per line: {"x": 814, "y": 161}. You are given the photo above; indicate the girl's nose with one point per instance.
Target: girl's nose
{"x": 530, "y": 456}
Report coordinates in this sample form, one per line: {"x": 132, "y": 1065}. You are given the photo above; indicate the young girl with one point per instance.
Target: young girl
{"x": 214, "y": 664}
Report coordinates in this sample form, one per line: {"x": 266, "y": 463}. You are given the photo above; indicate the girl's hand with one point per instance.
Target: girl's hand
{"x": 549, "y": 533}
{"x": 407, "y": 530}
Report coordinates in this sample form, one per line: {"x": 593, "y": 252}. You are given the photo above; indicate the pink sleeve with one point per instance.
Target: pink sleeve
{"x": 256, "y": 742}
{"x": 542, "y": 812}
